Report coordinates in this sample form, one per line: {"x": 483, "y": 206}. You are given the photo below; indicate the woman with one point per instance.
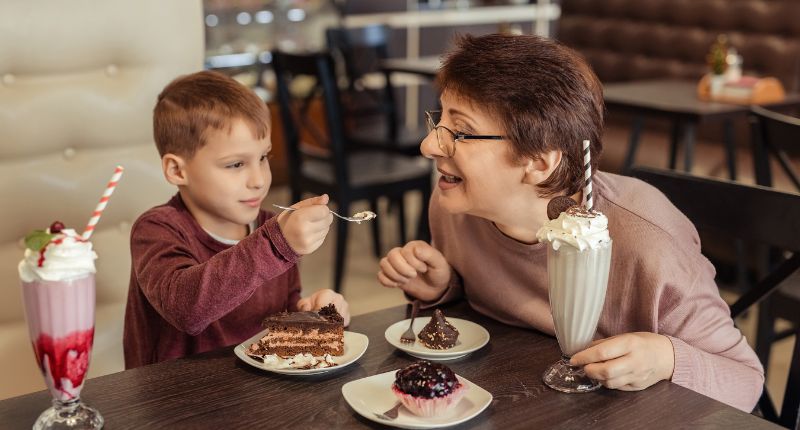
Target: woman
{"x": 515, "y": 110}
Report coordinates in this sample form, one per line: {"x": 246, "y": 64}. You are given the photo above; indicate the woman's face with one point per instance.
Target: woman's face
{"x": 480, "y": 178}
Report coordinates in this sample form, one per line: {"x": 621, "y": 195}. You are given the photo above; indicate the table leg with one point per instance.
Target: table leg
{"x": 688, "y": 139}
{"x": 633, "y": 143}
{"x": 729, "y": 140}
{"x": 674, "y": 139}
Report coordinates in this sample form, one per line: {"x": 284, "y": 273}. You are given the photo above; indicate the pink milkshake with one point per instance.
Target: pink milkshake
{"x": 57, "y": 275}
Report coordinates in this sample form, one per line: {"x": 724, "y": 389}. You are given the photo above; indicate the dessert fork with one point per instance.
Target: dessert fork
{"x": 357, "y": 217}
{"x": 408, "y": 336}
{"x": 390, "y": 414}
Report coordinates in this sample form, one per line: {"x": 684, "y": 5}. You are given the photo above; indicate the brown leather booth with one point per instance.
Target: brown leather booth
{"x": 627, "y": 40}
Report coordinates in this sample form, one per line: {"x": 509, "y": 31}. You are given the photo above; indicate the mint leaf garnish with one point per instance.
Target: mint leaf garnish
{"x": 38, "y": 239}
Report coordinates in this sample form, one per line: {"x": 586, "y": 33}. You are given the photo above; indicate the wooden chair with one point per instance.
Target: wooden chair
{"x": 774, "y": 135}
{"x": 371, "y": 113}
{"x": 330, "y": 166}
{"x": 759, "y": 216}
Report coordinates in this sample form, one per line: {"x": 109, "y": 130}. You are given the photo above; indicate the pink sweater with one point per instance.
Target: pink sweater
{"x": 659, "y": 282}
{"x": 190, "y": 293}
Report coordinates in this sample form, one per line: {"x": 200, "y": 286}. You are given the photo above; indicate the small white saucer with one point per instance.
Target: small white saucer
{"x": 373, "y": 394}
{"x": 471, "y": 337}
{"x": 355, "y": 344}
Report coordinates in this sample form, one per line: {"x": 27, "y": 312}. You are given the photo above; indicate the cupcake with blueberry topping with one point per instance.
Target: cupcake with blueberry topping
{"x": 427, "y": 389}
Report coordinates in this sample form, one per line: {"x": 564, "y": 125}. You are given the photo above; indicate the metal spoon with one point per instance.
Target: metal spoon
{"x": 357, "y": 217}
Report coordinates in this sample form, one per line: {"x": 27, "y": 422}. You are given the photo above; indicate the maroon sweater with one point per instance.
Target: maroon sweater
{"x": 190, "y": 293}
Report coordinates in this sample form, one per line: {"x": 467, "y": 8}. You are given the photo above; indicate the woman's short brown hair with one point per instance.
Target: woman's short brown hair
{"x": 193, "y": 104}
{"x": 543, "y": 94}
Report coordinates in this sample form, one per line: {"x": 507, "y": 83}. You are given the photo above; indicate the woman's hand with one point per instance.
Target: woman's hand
{"x": 628, "y": 362}
{"x": 323, "y": 298}
{"x": 418, "y": 269}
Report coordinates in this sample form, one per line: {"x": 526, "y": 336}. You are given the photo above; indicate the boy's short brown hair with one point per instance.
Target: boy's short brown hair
{"x": 543, "y": 94}
{"x": 193, "y": 104}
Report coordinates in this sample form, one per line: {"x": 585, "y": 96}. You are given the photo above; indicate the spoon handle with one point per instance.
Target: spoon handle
{"x": 284, "y": 207}
{"x": 351, "y": 219}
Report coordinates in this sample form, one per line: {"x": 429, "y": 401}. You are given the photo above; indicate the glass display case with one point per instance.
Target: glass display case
{"x": 253, "y": 26}
{"x": 241, "y": 33}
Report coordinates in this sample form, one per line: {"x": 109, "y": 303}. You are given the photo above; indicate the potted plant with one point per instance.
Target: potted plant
{"x": 717, "y": 62}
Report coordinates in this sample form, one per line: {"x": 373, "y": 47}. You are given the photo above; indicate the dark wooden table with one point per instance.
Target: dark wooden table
{"x": 218, "y": 391}
{"x": 677, "y": 102}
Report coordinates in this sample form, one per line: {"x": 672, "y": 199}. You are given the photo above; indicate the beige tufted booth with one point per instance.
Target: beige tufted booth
{"x": 78, "y": 82}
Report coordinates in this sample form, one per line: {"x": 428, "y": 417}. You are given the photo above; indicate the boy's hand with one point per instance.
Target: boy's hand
{"x": 628, "y": 362}
{"x": 305, "y": 228}
{"x": 323, "y": 298}
{"x": 418, "y": 269}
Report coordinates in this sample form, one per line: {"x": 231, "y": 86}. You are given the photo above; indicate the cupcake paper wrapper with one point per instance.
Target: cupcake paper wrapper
{"x": 425, "y": 407}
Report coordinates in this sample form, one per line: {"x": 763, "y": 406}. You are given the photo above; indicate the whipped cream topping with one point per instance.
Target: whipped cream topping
{"x": 66, "y": 257}
{"x": 576, "y": 227}
{"x": 299, "y": 361}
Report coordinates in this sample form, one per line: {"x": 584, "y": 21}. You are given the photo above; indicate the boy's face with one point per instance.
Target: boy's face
{"x": 226, "y": 180}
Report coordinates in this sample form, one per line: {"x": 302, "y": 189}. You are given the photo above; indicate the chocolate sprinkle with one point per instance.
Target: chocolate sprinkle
{"x": 580, "y": 211}
{"x": 559, "y": 204}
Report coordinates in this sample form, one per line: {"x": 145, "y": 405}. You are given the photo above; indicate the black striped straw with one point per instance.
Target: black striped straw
{"x": 587, "y": 176}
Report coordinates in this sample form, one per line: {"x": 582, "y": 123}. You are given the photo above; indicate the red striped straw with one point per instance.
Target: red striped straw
{"x": 587, "y": 176}
{"x": 102, "y": 204}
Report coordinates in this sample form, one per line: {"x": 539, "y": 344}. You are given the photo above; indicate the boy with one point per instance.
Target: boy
{"x": 208, "y": 265}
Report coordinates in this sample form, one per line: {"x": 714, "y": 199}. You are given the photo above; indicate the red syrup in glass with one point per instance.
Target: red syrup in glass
{"x": 66, "y": 357}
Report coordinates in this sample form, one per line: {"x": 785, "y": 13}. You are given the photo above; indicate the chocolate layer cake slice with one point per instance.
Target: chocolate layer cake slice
{"x": 291, "y": 333}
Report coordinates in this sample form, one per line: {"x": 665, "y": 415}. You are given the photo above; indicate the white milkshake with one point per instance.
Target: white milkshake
{"x": 578, "y": 262}
{"x": 57, "y": 275}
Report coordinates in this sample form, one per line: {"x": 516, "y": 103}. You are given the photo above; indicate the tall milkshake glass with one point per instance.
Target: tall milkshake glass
{"x": 57, "y": 276}
{"x": 578, "y": 261}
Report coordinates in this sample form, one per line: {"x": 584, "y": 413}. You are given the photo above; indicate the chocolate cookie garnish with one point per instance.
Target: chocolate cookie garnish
{"x": 559, "y": 204}
{"x": 330, "y": 313}
{"x": 438, "y": 333}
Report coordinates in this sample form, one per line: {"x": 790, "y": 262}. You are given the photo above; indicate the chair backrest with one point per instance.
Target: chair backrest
{"x": 361, "y": 51}
{"x": 79, "y": 82}
{"x": 756, "y": 215}
{"x": 774, "y": 135}
{"x": 301, "y": 80}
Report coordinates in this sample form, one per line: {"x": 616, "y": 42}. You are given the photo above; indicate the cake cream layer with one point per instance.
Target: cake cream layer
{"x": 291, "y": 342}
{"x": 327, "y": 334}
{"x": 313, "y": 333}
{"x": 316, "y": 333}
{"x": 334, "y": 344}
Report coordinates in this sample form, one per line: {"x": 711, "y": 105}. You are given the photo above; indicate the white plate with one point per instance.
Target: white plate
{"x": 471, "y": 337}
{"x": 354, "y": 346}
{"x": 373, "y": 394}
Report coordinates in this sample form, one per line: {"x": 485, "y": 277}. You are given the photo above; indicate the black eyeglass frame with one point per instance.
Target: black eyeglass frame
{"x": 433, "y": 125}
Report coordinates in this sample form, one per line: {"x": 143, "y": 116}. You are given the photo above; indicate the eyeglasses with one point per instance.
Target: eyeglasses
{"x": 447, "y": 138}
